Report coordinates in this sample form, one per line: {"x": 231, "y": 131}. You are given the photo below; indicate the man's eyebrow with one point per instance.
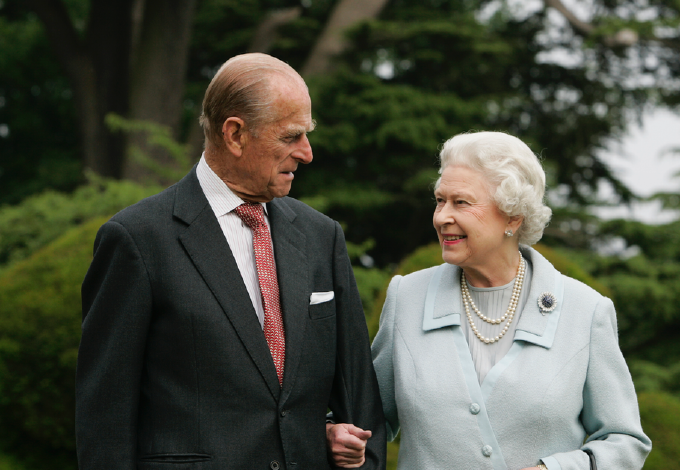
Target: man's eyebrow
{"x": 294, "y": 131}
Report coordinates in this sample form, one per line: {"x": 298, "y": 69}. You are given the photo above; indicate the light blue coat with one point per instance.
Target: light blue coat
{"x": 563, "y": 379}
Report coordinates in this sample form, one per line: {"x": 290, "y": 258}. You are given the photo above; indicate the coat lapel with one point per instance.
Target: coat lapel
{"x": 535, "y": 327}
{"x": 293, "y": 274}
{"x": 205, "y": 244}
{"x": 443, "y": 299}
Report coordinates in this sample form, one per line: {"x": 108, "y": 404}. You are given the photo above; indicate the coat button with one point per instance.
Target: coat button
{"x": 274, "y": 465}
{"x": 487, "y": 450}
{"x": 474, "y": 408}
{"x": 284, "y": 413}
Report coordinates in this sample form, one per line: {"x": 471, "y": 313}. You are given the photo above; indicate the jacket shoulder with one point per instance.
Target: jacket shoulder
{"x": 418, "y": 281}
{"x": 587, "y": 296}
{"x": 147, "y": 209}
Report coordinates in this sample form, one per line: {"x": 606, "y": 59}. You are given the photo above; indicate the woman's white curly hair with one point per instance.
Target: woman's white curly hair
{"x": 515, "y": 176}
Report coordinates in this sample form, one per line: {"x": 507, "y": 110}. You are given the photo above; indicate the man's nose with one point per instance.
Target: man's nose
{"x": 303, "y": 153}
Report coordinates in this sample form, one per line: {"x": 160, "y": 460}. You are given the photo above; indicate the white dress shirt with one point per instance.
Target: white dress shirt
{"x": 239, "y": 236}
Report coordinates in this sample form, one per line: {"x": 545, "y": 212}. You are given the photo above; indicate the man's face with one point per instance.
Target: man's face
{"x": 265, "y": 169}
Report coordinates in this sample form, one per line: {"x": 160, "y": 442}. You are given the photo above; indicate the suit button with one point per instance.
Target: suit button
{"x": 284, "y": 413}
{"x": 274, "y": 465}
{"x": 487, "y": 450}
{"x": 474, "y": 408}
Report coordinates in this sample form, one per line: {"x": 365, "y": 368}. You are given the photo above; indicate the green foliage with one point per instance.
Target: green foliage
{"x": 426, "y": 70}
{"x": 156, "y": 136}
{"x": 645, "y": 288}
{"x": 650, "y": 377}
{"x": 568, "y": 267}
{"x": 660, "y": 415}
{"x": 42, "y": 218}
{"x": 8, "y": 462}
{"x": 39, "y": 337}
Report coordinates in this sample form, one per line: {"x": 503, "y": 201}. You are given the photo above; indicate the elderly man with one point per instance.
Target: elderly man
{"x": 221, "y": 319}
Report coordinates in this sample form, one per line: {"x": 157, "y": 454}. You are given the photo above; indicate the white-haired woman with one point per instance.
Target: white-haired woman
{"x": 494, "y": 360}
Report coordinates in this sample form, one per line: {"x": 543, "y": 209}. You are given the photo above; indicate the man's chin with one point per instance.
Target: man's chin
{"x": 280, "y": 191}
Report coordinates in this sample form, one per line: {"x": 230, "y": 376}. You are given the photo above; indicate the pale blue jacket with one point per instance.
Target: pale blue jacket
{"x": 563, "y": 380}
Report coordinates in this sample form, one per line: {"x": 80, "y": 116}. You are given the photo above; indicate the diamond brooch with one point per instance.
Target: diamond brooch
{"x": 546, "y": 302}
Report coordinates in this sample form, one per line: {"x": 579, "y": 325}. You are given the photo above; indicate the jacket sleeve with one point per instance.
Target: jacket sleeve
{"x": 355, "y": 397}
{"x": 382, "y": 350}
{"x": 116, "y": 296}
{"x": 610, "y": 415}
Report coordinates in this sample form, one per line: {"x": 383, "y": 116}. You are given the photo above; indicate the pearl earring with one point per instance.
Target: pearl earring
{"x": 509, "y": 233}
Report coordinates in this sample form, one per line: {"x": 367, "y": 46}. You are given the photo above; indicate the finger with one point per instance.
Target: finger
{"x": 348, "y": 442}
{"x": 349, "y": 464}
{"x": 358, "y": 432}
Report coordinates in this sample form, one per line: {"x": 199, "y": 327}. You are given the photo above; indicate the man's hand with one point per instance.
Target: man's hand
{"x": 347, "y": 444}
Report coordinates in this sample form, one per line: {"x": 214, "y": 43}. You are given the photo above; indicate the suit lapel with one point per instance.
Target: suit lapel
{"x": 292, "y": 271}
{"x": 205, "y": 244}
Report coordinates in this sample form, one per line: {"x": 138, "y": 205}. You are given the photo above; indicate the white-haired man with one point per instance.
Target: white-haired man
{"x": 221, "y": 319}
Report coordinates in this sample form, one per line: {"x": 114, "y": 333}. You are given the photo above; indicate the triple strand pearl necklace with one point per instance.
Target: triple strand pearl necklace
{"x": 509, "y": 313}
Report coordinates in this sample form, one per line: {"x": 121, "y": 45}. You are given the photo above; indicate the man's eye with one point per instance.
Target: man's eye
{"x": 292, "y": 138}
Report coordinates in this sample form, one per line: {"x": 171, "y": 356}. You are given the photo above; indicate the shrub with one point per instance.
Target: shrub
{"x": 42, "y": 218}
{"x": 40, "y": 315}
{"x": 660, "y": 414}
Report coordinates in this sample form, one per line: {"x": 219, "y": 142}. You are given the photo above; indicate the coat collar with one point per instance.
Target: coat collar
{"x": 444, "y": 304}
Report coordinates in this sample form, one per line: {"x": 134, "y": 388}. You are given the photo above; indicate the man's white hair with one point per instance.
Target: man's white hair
{"x": 514, "y": 175}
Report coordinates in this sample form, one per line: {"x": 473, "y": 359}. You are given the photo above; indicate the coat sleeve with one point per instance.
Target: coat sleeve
{"x": 355, "y": 397}
{"x": 382, "y": 350}
{"x": 116, "y": 296}
{"x": 610, "y": 415}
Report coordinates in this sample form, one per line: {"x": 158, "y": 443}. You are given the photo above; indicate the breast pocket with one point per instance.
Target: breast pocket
{"x": 322, "y": 310}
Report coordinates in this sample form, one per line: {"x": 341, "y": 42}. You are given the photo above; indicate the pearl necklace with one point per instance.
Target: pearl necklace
{"x": 509, "y": 313}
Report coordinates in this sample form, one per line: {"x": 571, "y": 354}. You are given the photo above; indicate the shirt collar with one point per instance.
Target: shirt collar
{"x": 222, "y": 200}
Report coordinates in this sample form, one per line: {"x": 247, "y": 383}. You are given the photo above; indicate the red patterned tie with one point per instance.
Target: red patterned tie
{"x": 253, "y": 216}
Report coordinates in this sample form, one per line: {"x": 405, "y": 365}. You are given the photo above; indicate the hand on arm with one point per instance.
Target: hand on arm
{"x": 347, "y": 444}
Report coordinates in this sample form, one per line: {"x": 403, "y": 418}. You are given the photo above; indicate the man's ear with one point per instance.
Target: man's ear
{"x": 234, "y": 135}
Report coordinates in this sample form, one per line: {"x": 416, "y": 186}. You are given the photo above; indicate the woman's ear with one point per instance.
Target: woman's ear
{"x": 233, "y": 135}
{"x": 515, "y": 223}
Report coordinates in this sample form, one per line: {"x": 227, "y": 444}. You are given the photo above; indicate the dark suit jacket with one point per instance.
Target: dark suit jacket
{"x": 174, "y": 371}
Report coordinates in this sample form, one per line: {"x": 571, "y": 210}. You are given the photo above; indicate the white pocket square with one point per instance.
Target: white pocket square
{"x": 320, "y": 297}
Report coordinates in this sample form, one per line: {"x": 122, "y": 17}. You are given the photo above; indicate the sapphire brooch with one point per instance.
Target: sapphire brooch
{"x": 546, "y": 302}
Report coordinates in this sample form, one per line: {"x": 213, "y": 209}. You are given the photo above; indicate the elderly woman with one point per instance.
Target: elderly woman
{"x": 495, "y": 360}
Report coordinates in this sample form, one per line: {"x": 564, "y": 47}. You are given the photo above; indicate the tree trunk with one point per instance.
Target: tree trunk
{"x": 332, "y": 42}
{"x": 98, "y": 70}
{"x": 158, "y": 77}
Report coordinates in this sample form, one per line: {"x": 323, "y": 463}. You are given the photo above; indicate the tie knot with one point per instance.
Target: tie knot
{"x": 252, "y": 214}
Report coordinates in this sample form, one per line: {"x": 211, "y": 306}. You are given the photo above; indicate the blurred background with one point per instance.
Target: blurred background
{"x": 99, "y": 106}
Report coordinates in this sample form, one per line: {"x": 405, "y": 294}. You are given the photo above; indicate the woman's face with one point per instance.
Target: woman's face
{"x": 470, "y": 227}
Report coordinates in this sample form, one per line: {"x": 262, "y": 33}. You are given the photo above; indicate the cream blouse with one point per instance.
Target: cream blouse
{"x": 493, "y": 302}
